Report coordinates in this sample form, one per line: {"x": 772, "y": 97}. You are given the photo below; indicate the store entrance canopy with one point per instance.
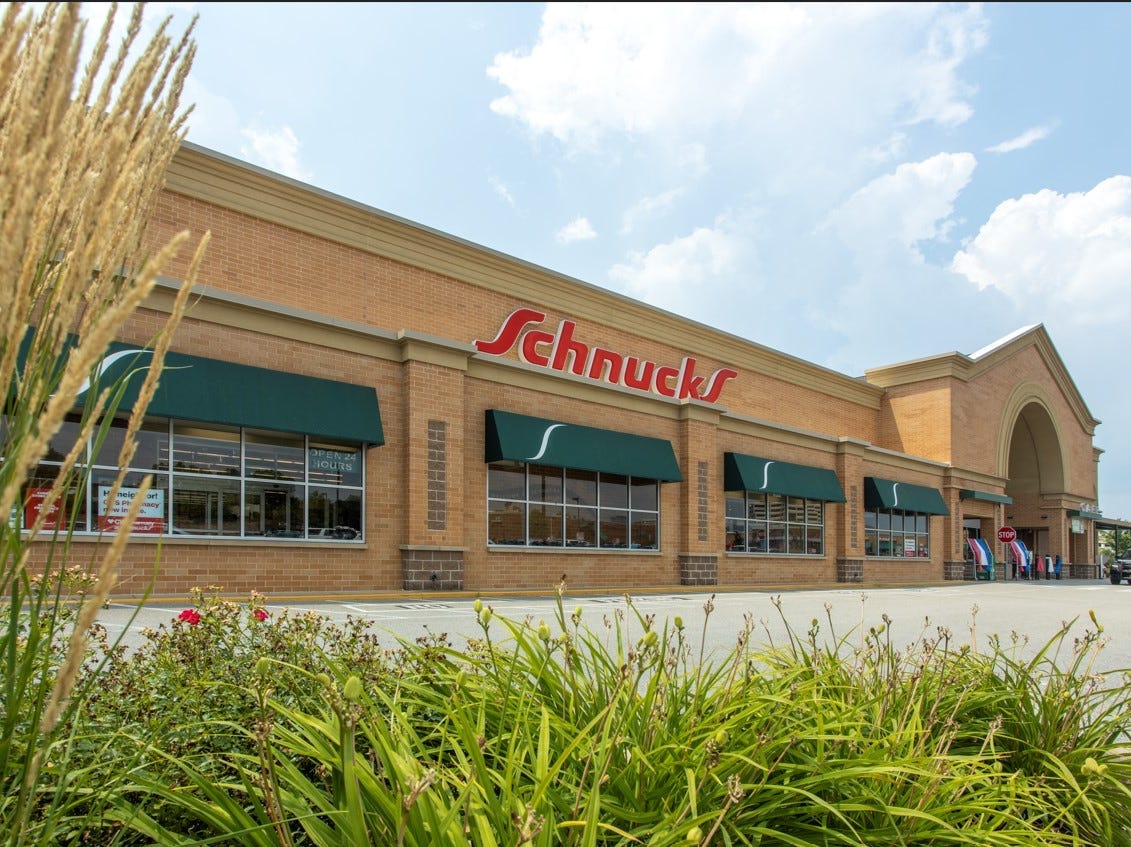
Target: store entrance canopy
{"x": 521, "y": 438}
{"x": 885, "y": 494}
{"x": 194, "y": 388}
{"x": 749, "y": 473}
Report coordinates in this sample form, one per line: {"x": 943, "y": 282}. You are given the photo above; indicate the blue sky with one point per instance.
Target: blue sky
{"x": 855, "y": 185}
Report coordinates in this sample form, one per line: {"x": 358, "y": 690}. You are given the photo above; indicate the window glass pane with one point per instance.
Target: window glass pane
{"x": 871, "y": 520}
{"x": 923, "y": 547}
{"x": 614, "y": 527}
{"x": 814, "y": 512}
{"x": 645, "y": 535}
{"x": 506, "y": 481}
{"x": 581, "y": 526}
{"x": 883, "y": 520}
{"x": 736, "y": 535}
{"x": 776, "y": 538}
{"x": 614, "y": 493}
{"x": 545, "y": 525}
{"x": 921, "y": 523}
{"x": 644, "y": 494}
{"x": 895, "y": 521}
{"x": 61, "y": 442}
{"x": 206, "y": 451}
{"x": 796, "y": 510}
{"x": 776, "y": 504}
{"x": 796, "y": 537}
{"x": 68, "y": 512}
{"x": 204, "y": 506}
{"x": 756, "y": 507}
{"x": 735, "y": 504}
{"x": 814, "y": 541}
{"x": 154, "y": 516}
{"x": 581, "y": 488}
{"x": 758, "y": 540}
{"x": 506, "y": 522}
{"x": 871, "y": 546}
{"x": 152, "y": 452}
{"x": 274, "y": 510}
{"x": 545, "y": 485}
{"x": 274, "y": 456}
{"x": 335, "y": 464}
{"x": 334, "y": 513}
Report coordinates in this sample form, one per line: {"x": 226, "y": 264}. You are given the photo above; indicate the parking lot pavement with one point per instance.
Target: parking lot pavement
{"x": 971, "y": 612}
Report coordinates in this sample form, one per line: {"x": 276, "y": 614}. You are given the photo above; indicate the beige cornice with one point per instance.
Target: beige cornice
{"x": 964, "y": 368}
{"x": 418, "y": 347}
{"x": 223, "y": 181}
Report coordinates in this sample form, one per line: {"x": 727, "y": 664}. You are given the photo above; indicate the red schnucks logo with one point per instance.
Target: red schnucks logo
{"x": 560, "y": 351}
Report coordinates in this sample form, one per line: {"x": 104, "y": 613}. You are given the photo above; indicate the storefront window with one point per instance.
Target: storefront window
{"x": 773, "y": 523}
{"x": 542, "y": 506}
{"x": 224, "y": 482}
{"x": 893, "y": 533}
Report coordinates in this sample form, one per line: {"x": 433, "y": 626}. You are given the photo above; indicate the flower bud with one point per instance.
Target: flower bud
{"x": 694, "y": 835}
{"x": 352, "y": 690}
{"x": 650, "y": 638}
{"x": 678, "y": 622}
{"x": 543, "y": 631}
{"x": 477, "y": 605}
{"x": 263, "y": 666}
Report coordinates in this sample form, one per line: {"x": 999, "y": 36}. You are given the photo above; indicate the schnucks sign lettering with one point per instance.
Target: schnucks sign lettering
{"x": 560, "y": 351}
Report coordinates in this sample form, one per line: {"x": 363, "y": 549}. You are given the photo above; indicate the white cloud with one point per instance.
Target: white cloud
{"x": 579, "y": 229}
{"x": 1070, "y": 253}
{"x": 680, "y": 68}
{"x": 1020, "y": 142}
{"x": 674, "y": 274}
{"x": 912, "y": 204}
{"x": 277, "y": 151}
{"x": 647, "y": 207}
{"x": 500, "y": 188}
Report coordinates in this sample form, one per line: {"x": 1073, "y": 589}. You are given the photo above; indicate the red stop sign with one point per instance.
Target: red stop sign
{"x": 1006, "y": 534}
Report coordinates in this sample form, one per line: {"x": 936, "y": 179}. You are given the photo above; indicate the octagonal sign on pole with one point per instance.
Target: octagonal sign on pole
{"x": 1006, "y": 534}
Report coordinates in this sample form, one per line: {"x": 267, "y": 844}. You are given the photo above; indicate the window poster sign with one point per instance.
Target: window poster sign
{"x": 56, "y": 517}
{"x": 334, "y": 461}
{"x": 150, "y": 520}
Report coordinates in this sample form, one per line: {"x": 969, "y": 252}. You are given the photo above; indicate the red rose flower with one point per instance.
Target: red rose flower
{"x": 260, "y": 615}
{"x": 190, "y": 616}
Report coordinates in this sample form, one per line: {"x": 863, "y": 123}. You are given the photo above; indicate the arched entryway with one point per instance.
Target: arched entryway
{"x": 1033, "y": 461}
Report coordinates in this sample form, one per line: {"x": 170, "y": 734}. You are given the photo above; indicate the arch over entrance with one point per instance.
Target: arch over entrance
{"x": 1034, "y": 462}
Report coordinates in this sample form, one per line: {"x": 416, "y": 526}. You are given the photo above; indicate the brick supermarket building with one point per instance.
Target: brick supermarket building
{"x": 356, "y": 403}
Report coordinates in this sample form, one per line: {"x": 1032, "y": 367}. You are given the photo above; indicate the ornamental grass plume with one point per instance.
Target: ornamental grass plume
{"x": 83, "y": 154}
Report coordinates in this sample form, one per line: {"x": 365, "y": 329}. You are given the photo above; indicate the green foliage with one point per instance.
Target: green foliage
{"x": 295, "y": 731}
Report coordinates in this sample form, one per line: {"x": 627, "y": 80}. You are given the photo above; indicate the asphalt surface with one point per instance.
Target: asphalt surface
{"x": 1027, "y": 614}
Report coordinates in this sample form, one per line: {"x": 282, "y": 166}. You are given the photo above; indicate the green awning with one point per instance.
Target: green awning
{"x": 1084, "y": 513}
{"x": 984, "y": 496}
{"x": 521, "y": 438}
{"x": 193, "y": 388}
{"x": 749, "y": 473}
{"x": 886, "y": 494}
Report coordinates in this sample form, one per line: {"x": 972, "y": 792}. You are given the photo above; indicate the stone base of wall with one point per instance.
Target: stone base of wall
{"x": 426, "y": 569}
{"x": 958, "y": 570}
{"x": 698, "y": 570}
{"x": 1081, "y": 571}
{"x": 849, "y": 570}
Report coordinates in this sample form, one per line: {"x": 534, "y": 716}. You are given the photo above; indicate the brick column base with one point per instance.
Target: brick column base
{"x": 432, "y": 569}
{"x": 956, "y": 571}
{"x": 698, "y": 570}
{"x": 849, "y": 570}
